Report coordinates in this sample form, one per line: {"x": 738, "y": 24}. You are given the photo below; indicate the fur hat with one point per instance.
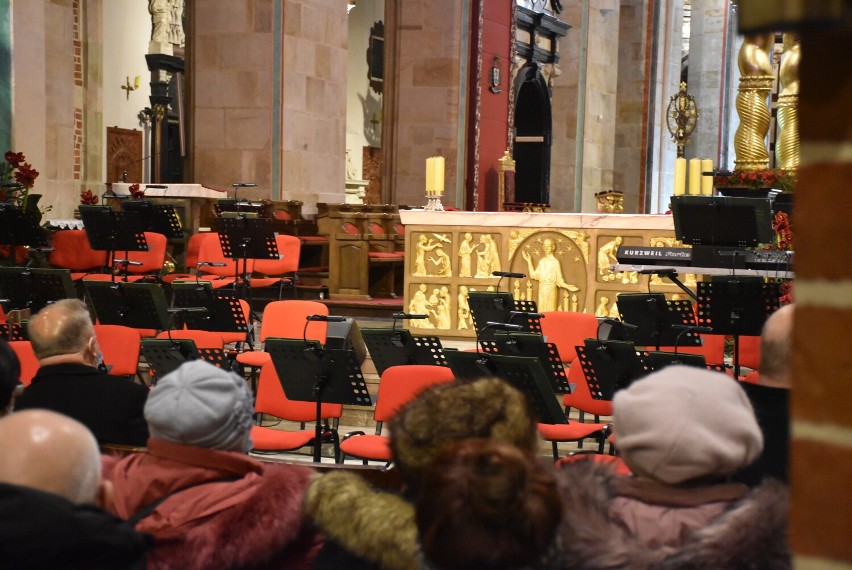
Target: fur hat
{"x": 202, "y": 405}
{"x": 685, "y": 423}
{"x": 448, "y": 413}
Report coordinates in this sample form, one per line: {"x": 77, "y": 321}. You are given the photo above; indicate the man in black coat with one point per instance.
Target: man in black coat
{"x": 50, "y": 484}
{"x": 69, "y": 382}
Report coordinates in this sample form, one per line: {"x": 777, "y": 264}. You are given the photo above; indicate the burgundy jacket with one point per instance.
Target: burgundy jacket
{"x": 226, "y": 510}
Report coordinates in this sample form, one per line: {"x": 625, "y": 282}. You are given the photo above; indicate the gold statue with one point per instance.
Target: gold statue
{"x": 463, "y": 310}
{"x": 755, "y": 63}
{"x": 549, "y": 275}
{"x": 787, "y": 141}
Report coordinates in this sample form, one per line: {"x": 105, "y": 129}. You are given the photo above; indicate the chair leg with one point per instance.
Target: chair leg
{"x": 555, "y": 450}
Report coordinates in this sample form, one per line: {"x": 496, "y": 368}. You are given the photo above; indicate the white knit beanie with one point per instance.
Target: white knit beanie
{"x": 202, "y": 405}
{"x": 684, "y": 423}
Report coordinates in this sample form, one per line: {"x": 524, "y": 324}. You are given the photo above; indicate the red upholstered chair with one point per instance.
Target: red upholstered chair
{"x": 568, "y": 330}
{"x": 279, "y": 272}
{"x": 120, "y": 347}
{"x": 271, "y": 400}
{"x": 398, "y": 386}
{"x": 286, "y": 319}
{"x": 749, "y": 356}
{"x": 29, "y": 363}
{"x": 71, "y": 250}
{"x": 616, "y": 462}
{"x": 193, "y": 247}
{"x": 151, "y": 261}
{"x": 572, "y": 431}
{"x": 222, "y": 274}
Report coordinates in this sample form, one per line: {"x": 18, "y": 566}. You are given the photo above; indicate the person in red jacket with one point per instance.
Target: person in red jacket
{"x": 207, "y": 504}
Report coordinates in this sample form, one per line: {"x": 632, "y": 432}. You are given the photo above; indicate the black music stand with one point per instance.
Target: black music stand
{"x": 166, "y": 355}
{"x": 609, "y": 366}
{"x": 243, "y": 238}
{"x": 655, "y": 317}
{"x": 533, "y": 345}
{"x": 309, "y": 373}
{"x": 657, "y": 360}
{"x": 13, "y": 331}
{"x": 397, "y": 347}
{"x": 21, "y": 227}
{"x": 136, "y": 305}
{"x": 736, "y": 308}
{"x": 158, "y": 218}
{"x": 224, "y": 312}
{"x": 31, "y": 288}
{"x": 524, "y": 373}
{"x": 501, "y": 307}
{"x": 112, "y": 231}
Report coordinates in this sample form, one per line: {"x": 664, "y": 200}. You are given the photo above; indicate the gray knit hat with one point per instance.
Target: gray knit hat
{"x": 202, "y": 405}
{"x": 684, "y": 423}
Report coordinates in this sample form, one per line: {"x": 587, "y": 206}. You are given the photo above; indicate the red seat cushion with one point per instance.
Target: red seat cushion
{"x": 269, "y": 439}
{"x": 572, "y": 431}
{"x": 254, "y": 358}
{"x": 375, "y": 447}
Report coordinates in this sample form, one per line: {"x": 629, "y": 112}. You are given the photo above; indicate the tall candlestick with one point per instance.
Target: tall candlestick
{"x": 694, "y": 176}
{"x": 680, "y": 177}
{"x": 430, "y": 174}
{"x": 706, "y": 179}
{"x": 439, "y": 175}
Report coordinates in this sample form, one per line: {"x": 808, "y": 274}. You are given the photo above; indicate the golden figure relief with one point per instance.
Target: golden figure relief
{"x": 419, "y": 305}
{"x": 606, "y": 257}
{"x": 487, "y": 256}
{"x": 466, "y": 248}
{"x": 439, "y": 260}
{"x": 548, "y": 273}
{"x": 442, "y": 308}
{"x": 516, "y": 291}
{"x": 465, "y": 321}
{"x": 605, "y": 310}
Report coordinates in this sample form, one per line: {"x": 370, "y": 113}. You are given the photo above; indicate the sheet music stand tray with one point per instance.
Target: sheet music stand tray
{"x": 609, "y": 366}
{"x": 524, "y": 373}
{"x": 736, "y": 308}
{"x": 166, "y": 355}
{"x": 13, "y": 331}
{"x": 397, "y": 347}
{"x": 310, "y": 373}
{"x": 21, "y": 227}
{"x": 497, "y": 307}
{"x": 533, "y": 345}
{"x": 655, "y": 316}
{"x": 136, "y": 305}
{"x": 224, "y": 312}
{"x": 113, "y": 231}
{"x": 32, "y": 288}
{"x": 158, "y": 218}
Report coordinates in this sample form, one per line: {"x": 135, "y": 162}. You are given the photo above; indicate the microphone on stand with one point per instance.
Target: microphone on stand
{"x": 684, "y": 329}
{"x": 496, "y": 326}
{"x": 502, "y": 274}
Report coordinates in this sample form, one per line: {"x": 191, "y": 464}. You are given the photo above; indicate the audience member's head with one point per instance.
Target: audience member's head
{"x": 10, "y": 374}
{"x": 50, "y": 452}
{"x": 685, "y": 424}
{"x": 63, "y": 332}
{"x": 445, "y": 414}
{"x": 486, "y": 504}
{"x": 202, "y": 405}
{"x": 775, "y": 343}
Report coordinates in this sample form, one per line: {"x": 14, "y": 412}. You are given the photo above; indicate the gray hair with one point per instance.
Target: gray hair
{"x": 71, "y": 331}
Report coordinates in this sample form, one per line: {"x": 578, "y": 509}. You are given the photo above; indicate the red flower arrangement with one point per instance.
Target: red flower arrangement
{"x": 87, "y": 198}
{"x": 783, "y": 240}
{"x": 135, "y": 192}
{"x": 784, "y": 180}
{"x": 16, "y": 168}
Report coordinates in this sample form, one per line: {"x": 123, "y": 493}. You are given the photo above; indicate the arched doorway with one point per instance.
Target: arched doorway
{"x": 533, "y": 127}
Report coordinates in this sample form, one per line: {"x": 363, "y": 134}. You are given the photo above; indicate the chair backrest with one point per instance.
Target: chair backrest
{"x": 581, "y": 396}
{"x": 120, "y": 346}
{"x": 272, "y": 400}
{"x": 71, "y": 250}
{"x": 210, "y": 250}
{"x": 750, "y": 352}
{"x": 29, "y": 363}
{"x": 401, "y": 384}
{"x": 286, "y": 319}
{"x": 193, "y": 247}
{"x": 567, "y": 330}
{"x": 712, "y": 348}
{"x": 289, "y": 248}
{"x": 153, "y": 259}
{"x": 202, "y": 339}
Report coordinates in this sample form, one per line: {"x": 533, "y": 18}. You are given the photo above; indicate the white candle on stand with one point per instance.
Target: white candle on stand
{"x": 680, "y": 177}
{"x": 706, "y": 179}
{"x": 694, "y": 176}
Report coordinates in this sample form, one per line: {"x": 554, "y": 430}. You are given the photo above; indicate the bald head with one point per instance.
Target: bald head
{"x": 775, "y": 345}
{"x": 63, "y": 329}
{"x": 50, "y": 452}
